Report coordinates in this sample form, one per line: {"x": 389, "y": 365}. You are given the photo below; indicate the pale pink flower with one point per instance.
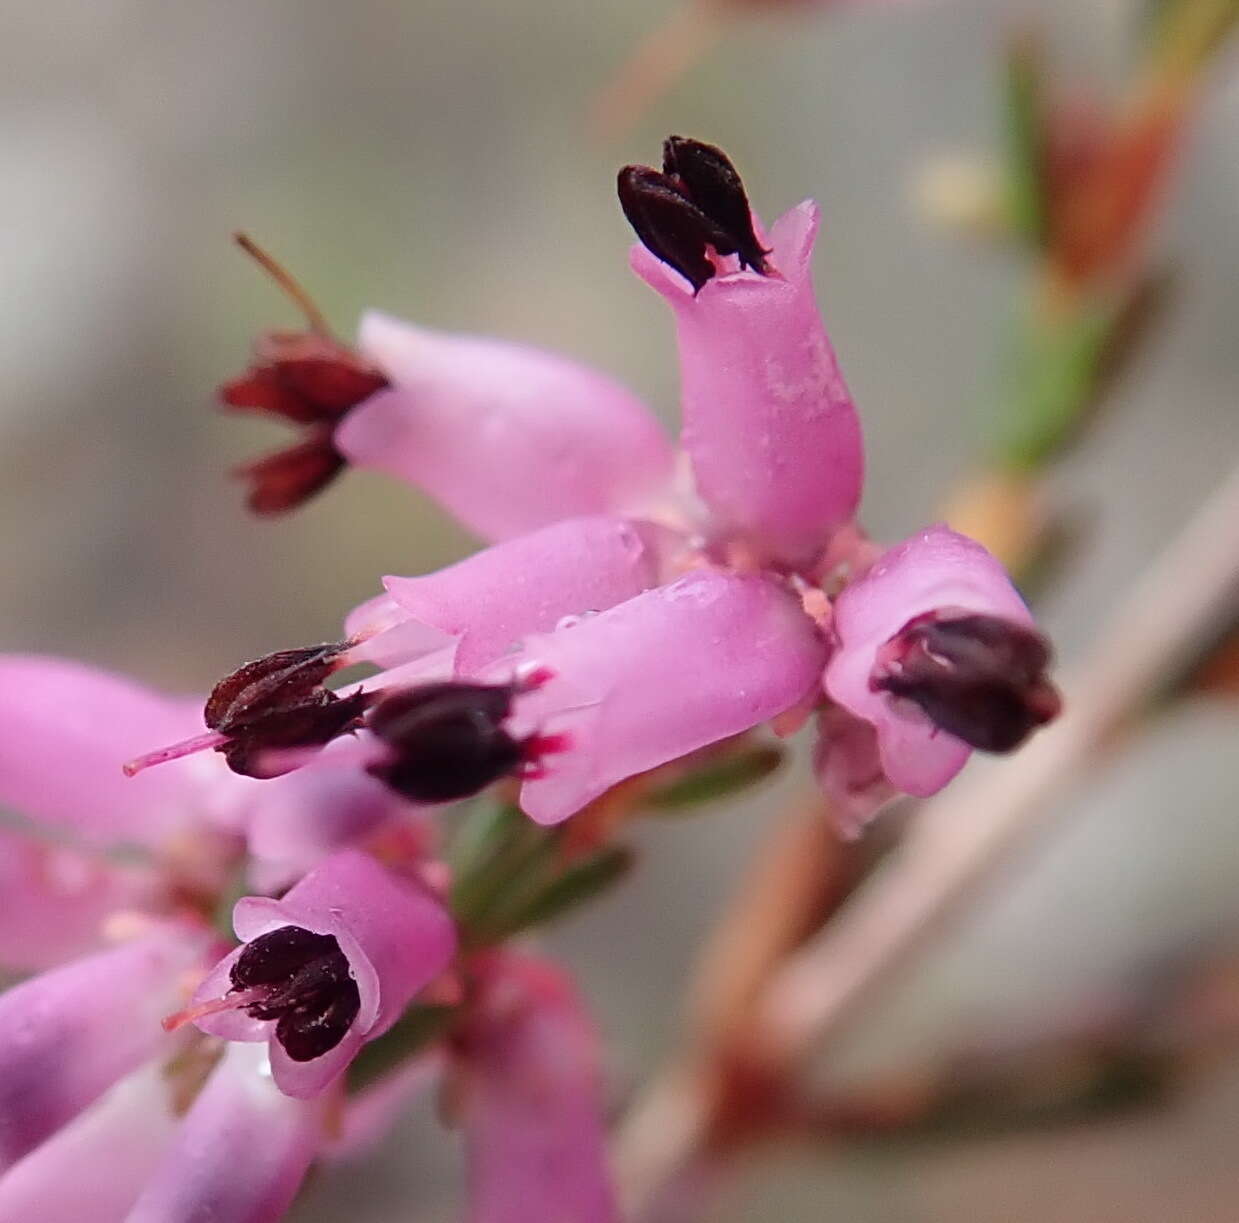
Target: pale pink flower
{"x": 659, "y": 676}
{"x": 69, "y": 1034}
{"x": 910, "y": 690}
{"x": 472, "y": 612}
{"x": 331, "y": 964}
{"x": 769, "y": 424}
{"x": 509, "y": 438}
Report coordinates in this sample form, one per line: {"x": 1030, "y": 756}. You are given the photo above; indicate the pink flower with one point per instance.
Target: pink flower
{"x": 473, "y": 611}
{"x": 65, "y": 730}
{"x": 57, "y": 899}
{"x": 937, "y": 651}
{"x": 330, "y": 965}
{"x": 769, "y": 424}
{"x": 507, "y": 437}
{"x": 659, "y": 676}
{"x": 531, "y": 1099}
{"x": 95, "y": 1166}
{"x": 68, "y": 1035}
{"x": 240, "y": 1154}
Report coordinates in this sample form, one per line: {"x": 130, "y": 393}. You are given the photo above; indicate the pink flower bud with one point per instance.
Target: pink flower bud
{"x": 508, "y": 438}
{"x": 531, "y": 1105}
{"x": 769, "y": 424}
{"x": 328, "y": 966}
{"x": 668, "y": 672}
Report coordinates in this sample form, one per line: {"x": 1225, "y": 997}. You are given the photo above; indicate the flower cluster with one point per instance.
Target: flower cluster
{"x": 635, "y": 607}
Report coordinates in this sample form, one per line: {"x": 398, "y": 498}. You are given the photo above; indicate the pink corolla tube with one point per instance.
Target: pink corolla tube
{"x": 65, "y": 731}
{"x": 531, "y": 1105}
{"x": 68, "y": 1035}
{"x": 936, "y": 569}
{"x": 483, "y": 605}
{"x": 395, "y": 938}
{"x": 677, "y": 668}
{"x": 239, "y": 1155}
{"x": 769, "y": 424}
{"x": 95, "y": 1167}
{"x": 507, "y": 437}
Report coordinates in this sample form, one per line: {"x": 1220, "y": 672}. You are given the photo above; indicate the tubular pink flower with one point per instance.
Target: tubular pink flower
{"x": 95, "y": 1167}
{"x": 666, "y": 673}
{"x": 769, "y": 424}
{"x": 508, "y": 438}
{"x": 240, "y": 1154}
{"x": 935, "y": 570}
{"x": 56, "y": 899}
{"x": 394, "y": 937}
{"x": 65, "y": 731}
{"x": 67, "y": 1035}
{"x": 483, "y": 605}
{"x": 532, "y": 1106}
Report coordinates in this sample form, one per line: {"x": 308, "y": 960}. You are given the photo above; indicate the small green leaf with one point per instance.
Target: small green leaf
{"x": 718, "y": 779}
{"x": 581, "y": 881}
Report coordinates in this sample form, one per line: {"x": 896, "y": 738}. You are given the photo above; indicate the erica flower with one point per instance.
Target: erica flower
{"x": 529, "y": 1098}
{"x": 597, "y": 647}
{"x": 507, "y": 437}
{"x": 331, "y": 964}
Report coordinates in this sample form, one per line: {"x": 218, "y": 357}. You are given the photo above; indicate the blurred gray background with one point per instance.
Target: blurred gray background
{"x": 429, "y": 157}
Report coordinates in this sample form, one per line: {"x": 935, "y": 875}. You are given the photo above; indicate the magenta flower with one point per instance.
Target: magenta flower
{"x": 769, "y": 425}
{"x": 507, "y": 437}
{"x": 937, "y": 652}
{"x": 330, "y": 965}
{"x": 531, "y": 1099}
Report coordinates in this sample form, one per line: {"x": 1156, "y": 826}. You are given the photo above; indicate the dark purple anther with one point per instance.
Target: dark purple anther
{"x": 448, "y": 740}
{"x": 980, "y": 678}
{"x": 302, "y": 981}
{"x": 279, "y": 701}
{"x": 696, "y": 201}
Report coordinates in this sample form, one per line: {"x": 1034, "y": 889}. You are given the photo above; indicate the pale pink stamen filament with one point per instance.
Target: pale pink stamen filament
{"x": 235, "y": 1001}
{"x": 187, "y": 747}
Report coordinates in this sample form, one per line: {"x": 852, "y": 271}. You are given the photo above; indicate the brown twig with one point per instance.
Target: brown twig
{"x": 955, "y": 843}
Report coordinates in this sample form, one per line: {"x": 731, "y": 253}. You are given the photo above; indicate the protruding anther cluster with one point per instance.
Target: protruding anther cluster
{"x": 307, "y": 378}
{"x": 448, "y": 740}
{"x": 980, "y": 678}
{"x": 695, "y": 203}
{"x": 279, "y": 701}
{"x": 302, "y": 981}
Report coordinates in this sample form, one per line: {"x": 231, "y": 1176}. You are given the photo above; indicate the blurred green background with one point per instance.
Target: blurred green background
{"x": 430, "y": 158}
